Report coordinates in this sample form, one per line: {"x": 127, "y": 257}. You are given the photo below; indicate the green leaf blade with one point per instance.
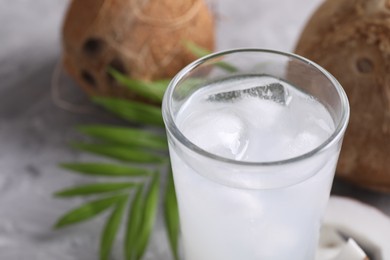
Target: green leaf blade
{"x": 226, "y": 66}
{"x": 126, "y": 136}
{"x": 201, "y": 52}
{"x": 196, "y": 49}
{"x": 172, "y": 217}
{"x": 161, "y": 86}
{"x": 111, "y": 229}
{"x": 96, "y": 188}
{"x": 149, "y": 216}
{"x": 106, "y": 169}
{"x": 132, "y": 111}
{"x": 119, "y": 152}
{"x": 150, "y": 90}
{"x": 87, "y": 211}
{"x": 133, "y": 224}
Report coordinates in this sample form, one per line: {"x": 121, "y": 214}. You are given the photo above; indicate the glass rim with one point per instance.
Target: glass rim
{"x": 172, "y": 128}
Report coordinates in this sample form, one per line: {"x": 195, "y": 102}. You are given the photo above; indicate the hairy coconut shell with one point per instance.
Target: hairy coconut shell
{"x": 143, "y": 39}
{"x": 351, "y": 39}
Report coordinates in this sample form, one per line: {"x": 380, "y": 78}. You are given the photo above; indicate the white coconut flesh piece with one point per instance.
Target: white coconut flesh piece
{"x": 351, "y": 251}
{"x": 333, "y": 246}
{"x": 368, "y": 228}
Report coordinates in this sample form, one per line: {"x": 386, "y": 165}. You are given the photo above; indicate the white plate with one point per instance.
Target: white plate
{"x": 368, "y": 226}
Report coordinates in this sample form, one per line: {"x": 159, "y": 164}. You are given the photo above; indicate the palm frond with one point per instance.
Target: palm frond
{"x": 88, "y": 211}
{"x": 129, "y": 145}
{"x": 133, "y": 224}
{"x": 106, "y": 169}
{"x": 119, "y": 152}
{"x": 149, "y": 215}
{"x": 111, "y": 229}
{"x": 152, "y": 90}
{"x": 95, "y": 188}
{"x": 172, "y": 216}
{"x": 126, "y": 136}
{"x": 132, "y": 111}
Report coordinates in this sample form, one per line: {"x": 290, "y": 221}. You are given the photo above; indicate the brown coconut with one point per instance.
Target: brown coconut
{"x": 351, "y": 39}
{"x": 140, "y": 38}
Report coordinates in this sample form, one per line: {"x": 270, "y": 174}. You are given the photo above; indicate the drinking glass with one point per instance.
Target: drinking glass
{"x": 244, "y": 208}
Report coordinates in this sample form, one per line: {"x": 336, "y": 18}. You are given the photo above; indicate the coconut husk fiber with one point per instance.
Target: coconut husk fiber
{"x": 142, "y": 39}
{"x": 351, "y": 39}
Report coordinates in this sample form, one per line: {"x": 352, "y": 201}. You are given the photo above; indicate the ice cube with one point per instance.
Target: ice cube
{"x": 302, "y": 143}
{"x": 273, "y": 91}
{"x": 221, "y": 132}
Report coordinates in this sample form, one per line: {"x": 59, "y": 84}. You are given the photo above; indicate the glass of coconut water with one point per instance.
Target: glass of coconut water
{"x": 254, "y": 137}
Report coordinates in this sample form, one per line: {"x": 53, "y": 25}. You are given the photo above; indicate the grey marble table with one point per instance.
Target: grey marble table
{"x": 34, "y": 132}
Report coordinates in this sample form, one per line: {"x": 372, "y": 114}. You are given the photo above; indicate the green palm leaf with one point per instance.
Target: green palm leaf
{"x": 129, "y": 145}
{"x": 119, "y": 152}
{"x": 87, "y": 211}
{"x": 153, "y": 90}
{"x": 136, "y": 112}
{"x": 133, "y": 223}
{"x": 106, "y": 169}
{"x": 172, "y": 216}
{"x": 200, "y": 52}
{"x": 126, "y": 136}
{"x": 149, "y": 215}
{"x": 111, "y": 229}
{"x": 95, "y": 188}
{"x": 196, "y": 49}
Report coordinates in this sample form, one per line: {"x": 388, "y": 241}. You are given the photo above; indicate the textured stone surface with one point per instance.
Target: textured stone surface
{"x": 34, "y": 132}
